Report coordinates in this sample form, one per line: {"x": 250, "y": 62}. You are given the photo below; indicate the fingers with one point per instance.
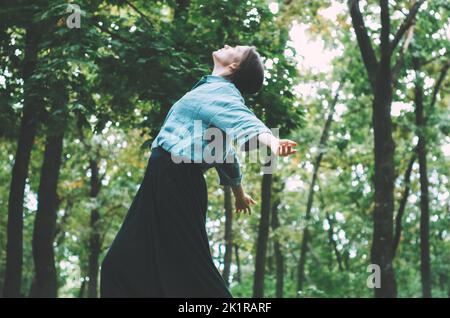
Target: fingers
{"x": 244, "y": 206}
{"x": 286, "y": 150}
{"x": 286, "y": 147}
{"x": 290, "y": 151}
{"x": 246, "y": 209}
{"x": 243, "y": 209}
{"x": 288, "y": 142}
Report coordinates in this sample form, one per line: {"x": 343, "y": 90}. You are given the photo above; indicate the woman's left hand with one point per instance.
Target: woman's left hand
{"x": 243, "y": 203}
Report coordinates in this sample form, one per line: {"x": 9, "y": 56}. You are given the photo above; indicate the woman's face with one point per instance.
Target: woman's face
{"x": 229, "y": 56}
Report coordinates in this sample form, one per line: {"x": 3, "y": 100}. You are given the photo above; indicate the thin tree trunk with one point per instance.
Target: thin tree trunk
{"x": 305, "y": 235}
{"x": 48, "y": 202}
{"x": 45, "y": 221}
{"x": 263, "y": 236}
{"x": 402, "y": 205}
{"x": 219, "y": 256}
{"x": 95, "y": 237}
{"x": 238, "y": 263}
{"x": 270, "y": 262}
{"x": 331, "y": 240}
{"x": 228, "y": 235}
{"x": 425, "y": 268}
{"x": 279, "y": 260}
{"x": 444, "y": 277}
{"x": 302, "y": 260}
{"x": 32, "y": 104}
{"x": 94, "y": 240}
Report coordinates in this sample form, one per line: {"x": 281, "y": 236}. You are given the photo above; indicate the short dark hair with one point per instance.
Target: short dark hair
{"x": 249, "y": 77}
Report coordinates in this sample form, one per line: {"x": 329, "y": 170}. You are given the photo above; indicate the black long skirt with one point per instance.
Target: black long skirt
{"x": 162, "y": 247}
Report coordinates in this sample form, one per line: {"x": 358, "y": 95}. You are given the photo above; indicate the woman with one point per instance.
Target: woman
{"x": 162, "y": 248}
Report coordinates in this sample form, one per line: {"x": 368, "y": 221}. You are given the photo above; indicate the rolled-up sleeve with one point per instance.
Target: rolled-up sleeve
{"x": 229, "y": 172}
{"x": 238, "y": 121}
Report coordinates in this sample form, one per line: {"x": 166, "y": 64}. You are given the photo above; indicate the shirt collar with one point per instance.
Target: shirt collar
{"x": 210, "y": 79}
{"x": 215, "y": 78}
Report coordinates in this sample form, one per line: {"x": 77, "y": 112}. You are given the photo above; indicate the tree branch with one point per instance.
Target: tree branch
{"x": 367, "y": 52}
{"x": 437, "y": 87}
{"x": 409, "y": 20}
{"x": 403, "y": 201}
{"x": 400, "y": 60}
{"x": 446, "y": 55}
{"x": 385, "y": 28}
{"x": 143, "y": 16}
{"x": 114, "y": 35}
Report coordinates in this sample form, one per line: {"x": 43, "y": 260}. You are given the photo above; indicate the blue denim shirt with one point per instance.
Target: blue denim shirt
{"x": 214, "y": 101}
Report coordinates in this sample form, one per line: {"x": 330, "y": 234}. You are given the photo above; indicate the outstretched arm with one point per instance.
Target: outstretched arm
{"x": 234, "y": 118}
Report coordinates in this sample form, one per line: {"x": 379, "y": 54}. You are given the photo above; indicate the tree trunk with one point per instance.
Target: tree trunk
{"x": 302, "y": 259}
{"x": 443, "y": 276}
{"x": 45, "y": 221}
{"x": 305, "y": 236}
{"x": 45, "y": 283}
{"x": 270, "y": 264}
{"x": 228, "y": 235}
{"x": 263, "y": 236}
{"x": 279, "y": 260}
{"x": 425, "y": 268}
{"x": 382, "y": 252}
{"x": 95, "y": 235}
{"x": 32, "y": 104}
{"x": 380, "y": 78}
{"x": 402, "y": 205}
{"x": 238, "y": 263}
{"x": 382, "y": 247}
